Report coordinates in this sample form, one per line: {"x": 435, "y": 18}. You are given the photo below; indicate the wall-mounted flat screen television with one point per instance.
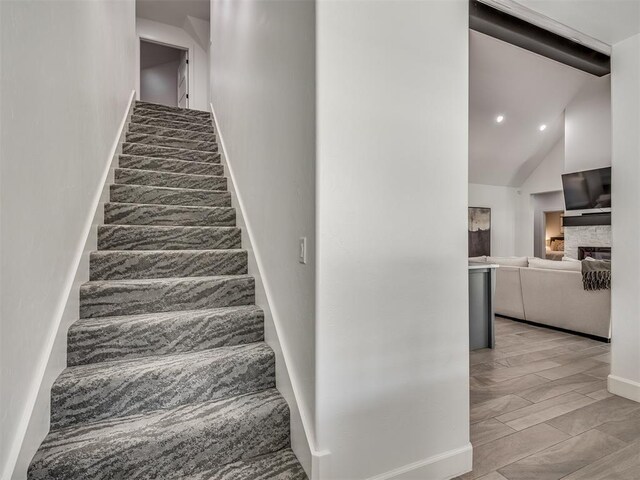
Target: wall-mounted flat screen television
{"x": 588, "y": 190}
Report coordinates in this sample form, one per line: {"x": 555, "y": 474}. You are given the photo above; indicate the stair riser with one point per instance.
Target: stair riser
{"x": 176, "y": 117}
{"x": 171, "y": 180}
{"x": 126, "y": 338}
{"x": 282, "y": 465}
{"x": 171, "y": 166}
{"x": 131, "y": 214}
{"x": 170, "y": 152}
{"x": 172, "y": 445}
{"x": 119, "y": 237}
{"x": 167, "y": 196}
{"x": 143, "y": 387}
{"x": 130, "y": 298}
{"x": 180, "y": 111}
{"x": 171, "y": 132}
{"x": 138, "y": 265}
{"x": 172, "y": 142}
{"x": 193, "y": 127}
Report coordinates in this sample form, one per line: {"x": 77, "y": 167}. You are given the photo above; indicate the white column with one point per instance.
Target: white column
{"x": 392, "y": 305}
{"x": 625, "y": 312}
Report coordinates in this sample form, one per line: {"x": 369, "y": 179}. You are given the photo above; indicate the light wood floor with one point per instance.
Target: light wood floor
{"x": 540, "y": 410}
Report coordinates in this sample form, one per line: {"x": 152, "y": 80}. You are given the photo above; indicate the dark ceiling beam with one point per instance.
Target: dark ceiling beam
{"x": 500, "y": 25}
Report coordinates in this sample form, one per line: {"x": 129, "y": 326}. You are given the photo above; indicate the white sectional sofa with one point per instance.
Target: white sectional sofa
{"x": 550, "y": 293}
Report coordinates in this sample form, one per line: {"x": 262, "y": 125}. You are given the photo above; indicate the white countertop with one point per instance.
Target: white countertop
{"x": 478, "y": 265}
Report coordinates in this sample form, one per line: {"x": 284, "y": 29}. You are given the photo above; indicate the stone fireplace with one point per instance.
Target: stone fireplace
{"x": 585, "y": 236}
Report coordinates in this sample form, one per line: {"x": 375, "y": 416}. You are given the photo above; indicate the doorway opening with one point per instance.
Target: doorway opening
{"x": 539, "y": 112}
{"x": 164, "y": 74}
{"x": 554, "y": 235}
{"x": 547, "y": 208}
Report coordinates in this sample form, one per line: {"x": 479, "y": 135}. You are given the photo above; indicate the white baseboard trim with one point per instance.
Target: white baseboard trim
{"x": 624, "y": 388}
{"x": 34, "y": 423}
{"x": 444, "y": 466}
{"x": 302, "y": 432}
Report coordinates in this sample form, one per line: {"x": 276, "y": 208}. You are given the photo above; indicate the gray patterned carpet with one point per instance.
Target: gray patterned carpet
{"x": 169, "y": 376}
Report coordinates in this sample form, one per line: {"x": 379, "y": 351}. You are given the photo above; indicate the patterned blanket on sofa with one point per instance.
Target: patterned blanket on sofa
{"x": 596, "y": 274}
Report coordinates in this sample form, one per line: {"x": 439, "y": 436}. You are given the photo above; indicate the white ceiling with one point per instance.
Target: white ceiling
{"x": 529, "y": 90}
{"x": 172, "y": 12}
{"x": 609, "y": 21}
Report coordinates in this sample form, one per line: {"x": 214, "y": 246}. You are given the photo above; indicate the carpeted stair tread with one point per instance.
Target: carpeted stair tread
{"x": 176, "y": 116}
{"x": 179, "y": 125}
{"x": 169, "y": 374}
{"x": 190, "y": 112}
{"x": 207, "y": 136}
{"x": 149, "y": 237}
{"x": 93, "y": 340}
{"x": 172, "y": 166}
{"x": 153, "y": 195}
{"x": 124, "y": 264}
{"x": 99, "y": 391}
{"x": 172, "y": 142}
{"x": 130, "y": 176}
{"x": 140, "y": 214}
{"x": 167, "y": 444}
{"x": 280, "y": 465}
{"x": 104, "y": 298}
{"x": 169, "y": 152}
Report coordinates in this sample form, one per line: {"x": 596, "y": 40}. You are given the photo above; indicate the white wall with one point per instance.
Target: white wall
{"x": 69, "y": 82}
{"x": 263, "y": 93}
{"x": 502, "y": 201}
{"x": 198, "y": 56}
{"x": 392, "y": 312}
{"x": 547, "y": 177}
{"x": 159, "y": 84}
{"x": 588, "y": 127}
{"x": 625, "y": 302}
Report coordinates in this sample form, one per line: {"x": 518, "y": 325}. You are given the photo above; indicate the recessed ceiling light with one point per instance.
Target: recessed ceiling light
{"x": 499, "y": 118}
{"x": 542, "y": 127}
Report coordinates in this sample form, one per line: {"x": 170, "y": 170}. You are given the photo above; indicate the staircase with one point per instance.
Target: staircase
{"x": 168, "y": 374}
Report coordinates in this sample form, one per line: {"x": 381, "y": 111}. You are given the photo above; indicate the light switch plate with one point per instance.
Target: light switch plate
{"x": 302, "y": 250}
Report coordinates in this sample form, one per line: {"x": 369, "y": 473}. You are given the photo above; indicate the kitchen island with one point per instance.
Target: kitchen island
{"x": 482, "y": 287}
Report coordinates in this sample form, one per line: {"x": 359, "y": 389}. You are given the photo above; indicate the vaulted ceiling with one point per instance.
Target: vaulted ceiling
{"x": 172, "y": 12}
{"x": 529, "y": 90}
